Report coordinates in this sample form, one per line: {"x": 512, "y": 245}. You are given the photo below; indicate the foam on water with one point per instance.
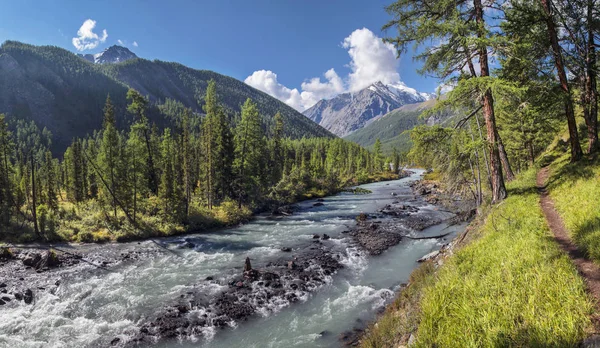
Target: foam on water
{"x": 91, "y": 307}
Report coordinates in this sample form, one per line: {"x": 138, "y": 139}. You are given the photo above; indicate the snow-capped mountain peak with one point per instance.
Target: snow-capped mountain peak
{"x": 351, "y": 111}
{"x": 113, "y": 54}
{"x": 400, "y": 89}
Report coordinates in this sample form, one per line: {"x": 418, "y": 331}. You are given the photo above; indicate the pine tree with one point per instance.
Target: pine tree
{"x": 462, "y": 26}
{"x": 278, "y": 162}
{"x": 576, "y": 152}
{"x": 209, "y": 142}
{"x": 136, "y": 154}
{"x": 186, "y": 151}
{"x": 108, "y": 159}
{"x": 6, "y": 185}
{"x": 50, "y": 196}
{"x": 137, "y": 106}
{"x": 249, "y": 142}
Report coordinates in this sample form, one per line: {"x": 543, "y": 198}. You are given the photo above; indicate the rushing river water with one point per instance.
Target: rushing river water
{"x": 92, "y": 306}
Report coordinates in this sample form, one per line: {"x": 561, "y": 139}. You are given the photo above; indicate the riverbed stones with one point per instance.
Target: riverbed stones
{"x": 247, "y": 265}
{"x": 274, "y": 286}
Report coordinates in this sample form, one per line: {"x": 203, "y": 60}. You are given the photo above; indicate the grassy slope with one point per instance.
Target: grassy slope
{"x": 575, "y": 189}
{"x": 510, "y": 286}
{"x": 391, "y": 128}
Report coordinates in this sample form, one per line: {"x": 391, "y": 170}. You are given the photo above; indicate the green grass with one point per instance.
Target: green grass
{"x": 575, "y": 189}
{"x": 511, "y": 286}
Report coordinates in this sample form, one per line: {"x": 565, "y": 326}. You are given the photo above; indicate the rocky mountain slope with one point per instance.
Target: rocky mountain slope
{"x": 113, "y": 54}
{"x": 390, "y": 128}
{"x": 351, "y": 111}
{"x": 65, "y": 93}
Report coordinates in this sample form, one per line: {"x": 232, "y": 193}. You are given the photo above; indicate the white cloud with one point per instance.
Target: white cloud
{"x": 445, "y": 87}
{"x": 313, "y": 90}
{"x": 371, "y": 60}
{"x": 135, "y": 44}
{"x": 86, "y": 38}
{"x": 317, "y": 90}
{"x": 120, "y": 42}
{"x": 266, "y": 81}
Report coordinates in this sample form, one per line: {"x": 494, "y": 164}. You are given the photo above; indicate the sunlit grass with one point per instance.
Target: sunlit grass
{"x": 575, "y": 189}
{"x": 511, "y": 286}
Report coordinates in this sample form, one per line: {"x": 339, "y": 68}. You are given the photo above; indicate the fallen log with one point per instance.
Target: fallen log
{"x": 429, "y": 237}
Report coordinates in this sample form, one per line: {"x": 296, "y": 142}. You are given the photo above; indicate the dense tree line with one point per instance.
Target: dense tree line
{"x": 203, "y": 164}
{"x": 520, "y": 71}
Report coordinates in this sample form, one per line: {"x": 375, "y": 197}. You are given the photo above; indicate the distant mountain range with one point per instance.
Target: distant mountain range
{"x": 113, "y": 54}
{"x": 349, "y": 112}
{"x": 391, "y": 128}
{"x": 65, "y": 92}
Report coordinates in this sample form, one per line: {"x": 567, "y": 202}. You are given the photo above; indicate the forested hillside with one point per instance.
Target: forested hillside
{"x": 392, "y": 128}
{"x": 65, "y": 93}
{"x": 143, "y": 181}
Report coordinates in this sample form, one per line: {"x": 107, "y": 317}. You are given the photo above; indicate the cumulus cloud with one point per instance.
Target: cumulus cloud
{"x": 313, "y": 90}
{"x": 120, "y": 42}
{"x": 135, "y": 44}
{"x": 86, "y": 38}
{"x": 266, "y": 81}
{"x": 371, "y": 60}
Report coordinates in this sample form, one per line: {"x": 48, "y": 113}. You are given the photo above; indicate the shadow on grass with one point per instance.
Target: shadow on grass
{"x": 582, "y": 169}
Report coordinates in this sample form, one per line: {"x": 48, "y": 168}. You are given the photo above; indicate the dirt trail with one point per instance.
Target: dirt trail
{"x": 586, "y": 267}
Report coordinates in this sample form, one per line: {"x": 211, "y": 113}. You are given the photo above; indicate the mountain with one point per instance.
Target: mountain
{"x": 66, "y": 94}
{"x": 113, "y": 54}
{"x": 351, "y": 111}
{"x": 390, "y": 128}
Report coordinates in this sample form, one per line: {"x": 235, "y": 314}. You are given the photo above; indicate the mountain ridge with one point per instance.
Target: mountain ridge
{"x": 111, "y": 55}
{"x": 349, "y": 112}
{"x": 65, "y": 93}
{"x": 391, "y": 128}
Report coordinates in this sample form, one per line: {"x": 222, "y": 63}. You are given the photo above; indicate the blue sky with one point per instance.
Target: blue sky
{"x": 294, "y": 40}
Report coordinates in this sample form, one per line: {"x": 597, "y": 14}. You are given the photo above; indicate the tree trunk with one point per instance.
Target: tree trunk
{"x": 33, "y": 199}
{"x": 576, "y": 152}
{"x": 487, "y": 164}
{"x": 504, "y": 159}
{"x": 152, "y": 177}
{"x": 591, "y": 90}
{"x": 498, "y": 188}
{"x": 478, "y": 179}
{"x": 529, "y": 146}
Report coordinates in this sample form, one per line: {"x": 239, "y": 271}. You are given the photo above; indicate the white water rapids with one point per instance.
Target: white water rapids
{"x": 92, "y": 306}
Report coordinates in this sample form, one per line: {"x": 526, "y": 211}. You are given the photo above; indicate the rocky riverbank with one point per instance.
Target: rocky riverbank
{"x": 224, "y": 299}
{"x": 28, "y": 271}
{"x": 252, "y": 291}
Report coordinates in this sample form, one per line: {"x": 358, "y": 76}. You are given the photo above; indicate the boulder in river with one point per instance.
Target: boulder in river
{"x": 31, "y": 259}
{"x": 5, "y": 254}
{"x": 325, "y": 237}
{"x": 247, "y": 265}
{"x": 185, "y": 245}
{"x": 318, "y": 204}
{"x": 47, "y": 259}
{"x": 28, "y": 296}
{"x": 286, "y": 249}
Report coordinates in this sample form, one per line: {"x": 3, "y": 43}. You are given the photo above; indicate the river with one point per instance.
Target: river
{"x": 92, "y": 306}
